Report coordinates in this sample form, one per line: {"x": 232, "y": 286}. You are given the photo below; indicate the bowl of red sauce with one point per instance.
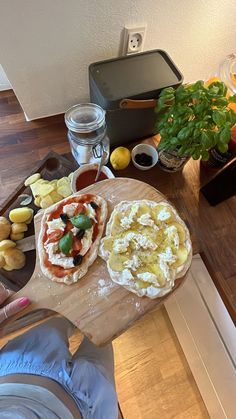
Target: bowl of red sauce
{"x": 86, "y": 174}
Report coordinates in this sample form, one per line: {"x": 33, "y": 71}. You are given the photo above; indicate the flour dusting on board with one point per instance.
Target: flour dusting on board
{"x": 105, "y": 287}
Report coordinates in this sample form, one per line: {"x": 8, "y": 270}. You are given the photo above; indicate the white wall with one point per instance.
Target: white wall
{"x": 47, "y": 45}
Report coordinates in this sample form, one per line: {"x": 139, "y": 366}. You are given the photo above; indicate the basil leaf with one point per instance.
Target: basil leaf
{"x": 65, "y": 243}
{"x": 222, "y": 147}
{"x": 232, "y": 98}
{"x": 225, "y": 135}
{"x": 81, "y": 221}
{"x": 205, "y": 155}
{"x": 205, "y": 140}
{"x": 219, "y": 117}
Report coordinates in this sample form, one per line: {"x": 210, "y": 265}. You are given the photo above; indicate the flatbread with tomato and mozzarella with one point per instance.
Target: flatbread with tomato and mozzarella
{"x": 69, "y": 237}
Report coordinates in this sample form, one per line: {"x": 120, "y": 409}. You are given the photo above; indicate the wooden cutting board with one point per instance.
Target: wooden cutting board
{"x": 99, "y": 308}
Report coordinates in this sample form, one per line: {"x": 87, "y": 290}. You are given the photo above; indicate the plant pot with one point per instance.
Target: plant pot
{"x": 169, "y": 161}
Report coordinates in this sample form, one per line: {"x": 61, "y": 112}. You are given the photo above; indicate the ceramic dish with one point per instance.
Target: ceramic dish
{"x": 147, "y": 149}
{"x": 89, "y": 168}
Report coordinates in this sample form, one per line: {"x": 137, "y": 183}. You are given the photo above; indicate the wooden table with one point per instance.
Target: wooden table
{"x": 214, "y": 228}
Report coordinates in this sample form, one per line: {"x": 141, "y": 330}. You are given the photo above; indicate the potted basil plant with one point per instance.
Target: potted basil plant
{"x": 192, "y": 120}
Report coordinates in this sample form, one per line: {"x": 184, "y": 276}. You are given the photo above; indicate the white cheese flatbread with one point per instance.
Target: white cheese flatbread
{"x": 70, "y": 267}
{"x": 146, "y": 247}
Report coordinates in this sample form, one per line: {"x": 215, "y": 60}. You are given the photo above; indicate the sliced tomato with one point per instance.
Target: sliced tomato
{"x": 77, "y": 245}
{"x": 55, "y": 236}
{"x": 80, "y": 208}
{"x": 69, "y": 226}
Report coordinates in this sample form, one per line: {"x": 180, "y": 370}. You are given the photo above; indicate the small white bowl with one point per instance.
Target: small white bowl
{"x": 147, "y": 149}
{"x": 85, "y": 168}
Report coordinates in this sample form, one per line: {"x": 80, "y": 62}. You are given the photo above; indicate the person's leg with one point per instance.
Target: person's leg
{"x": 92, "y": 381}
{"x": 101, "y": 357}
{"x": 44, "y": 346}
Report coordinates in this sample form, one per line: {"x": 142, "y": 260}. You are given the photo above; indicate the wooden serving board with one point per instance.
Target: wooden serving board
{"x": 99, "y": 308}
{"x": 53, "y": 166}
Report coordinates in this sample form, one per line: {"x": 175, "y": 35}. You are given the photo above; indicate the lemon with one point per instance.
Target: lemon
{"x": 120, "y": 158}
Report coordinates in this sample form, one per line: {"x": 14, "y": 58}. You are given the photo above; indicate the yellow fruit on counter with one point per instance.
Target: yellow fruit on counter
{"x": 120, "y": 158}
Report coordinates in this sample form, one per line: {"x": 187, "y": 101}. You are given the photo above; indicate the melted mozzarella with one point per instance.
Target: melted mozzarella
{"x": 163, "y": 215}
{"x": 56, "y": 224}
{"x": 74, "y": 231}
{"x": 70, "y": 209}
{"x": 133, "y": 263}
{"x": 127, "y": 221}
{"x": 146, "y": 220}
{"x": 172, "y": 234}
{"x": 138, "y": 241}
{"x": 167, "y": 256}
{"x": 148, "y": 277}
{"x": 86, "y": 241}
{"x": 90, "y": 212}
{"x": 58, "y": 259}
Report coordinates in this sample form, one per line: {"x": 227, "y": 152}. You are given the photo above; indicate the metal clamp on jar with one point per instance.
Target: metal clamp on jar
{"x": 87, "y": 133}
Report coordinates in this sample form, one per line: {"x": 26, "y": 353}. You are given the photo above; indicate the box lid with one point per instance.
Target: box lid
{"x": 138, "y": 76}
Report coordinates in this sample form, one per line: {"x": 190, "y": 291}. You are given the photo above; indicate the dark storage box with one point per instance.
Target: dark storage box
{"x": 127, "y": 88}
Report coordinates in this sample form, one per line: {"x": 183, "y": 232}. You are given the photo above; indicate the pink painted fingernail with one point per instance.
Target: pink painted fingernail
{"x": 23, "y": 302}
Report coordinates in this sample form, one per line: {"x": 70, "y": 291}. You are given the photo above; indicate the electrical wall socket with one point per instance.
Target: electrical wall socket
{"x": 133, "y": 40}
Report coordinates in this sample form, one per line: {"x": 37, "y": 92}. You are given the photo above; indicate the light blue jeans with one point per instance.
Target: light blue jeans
{"x": 88, "y": 375}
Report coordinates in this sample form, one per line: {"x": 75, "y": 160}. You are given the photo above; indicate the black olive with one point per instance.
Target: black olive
{"x": 143, "y": 159}
{"x": 64, "y": 218}
{"x": 80, "y": 234}
{"x": 77, "y": 260}
{"x": 94, "y": 205}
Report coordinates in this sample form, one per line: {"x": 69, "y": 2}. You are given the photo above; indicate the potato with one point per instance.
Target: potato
{"x": 17, "y": 236}
{"x": 17, "y": 228}
{"x": 62, "y": 182}
{"x": 2, "y": 261}
{"x": 182, "y": 256}
{"x": 7, "y": 268}
{"x": 5, "y": 228}
{"x": 64, "y": 190}
{"x": 35, "y": 189}
{"x": 37, "y": 201}
{"x": 6, "y": 244}
{"x": 14, "y": 258}
{"x": 45, "y": 189}
{"x": 46, "y": 202}
{"x": 56, "y": 197}
{"x": 30, "y": 219}
{"x": 20, "y": 215}
{"x": 32, "y": 179}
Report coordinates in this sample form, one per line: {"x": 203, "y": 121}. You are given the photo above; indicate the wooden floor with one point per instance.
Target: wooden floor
{"x": 152, "y": 375}
{"x": 153, "y": 379}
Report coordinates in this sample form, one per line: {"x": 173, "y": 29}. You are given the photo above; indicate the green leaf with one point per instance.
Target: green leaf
{"x": 232, "y": 99}
{"x": 174, "y": 141}
{"x": 183, "y": 134}
{"x": 205, "y": 139}
{"x": 219, "y": 117}
{"x": 65, "y": 243}
{"x": 196, "y": 155}
{"x": 205, "y": 155}
{"x": 225, "y": 135}
{"x": 223, "y": 148}
{"x": 81, "y": 221}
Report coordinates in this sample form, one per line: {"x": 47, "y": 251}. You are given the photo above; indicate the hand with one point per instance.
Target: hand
{"x": 13, "y": 307}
